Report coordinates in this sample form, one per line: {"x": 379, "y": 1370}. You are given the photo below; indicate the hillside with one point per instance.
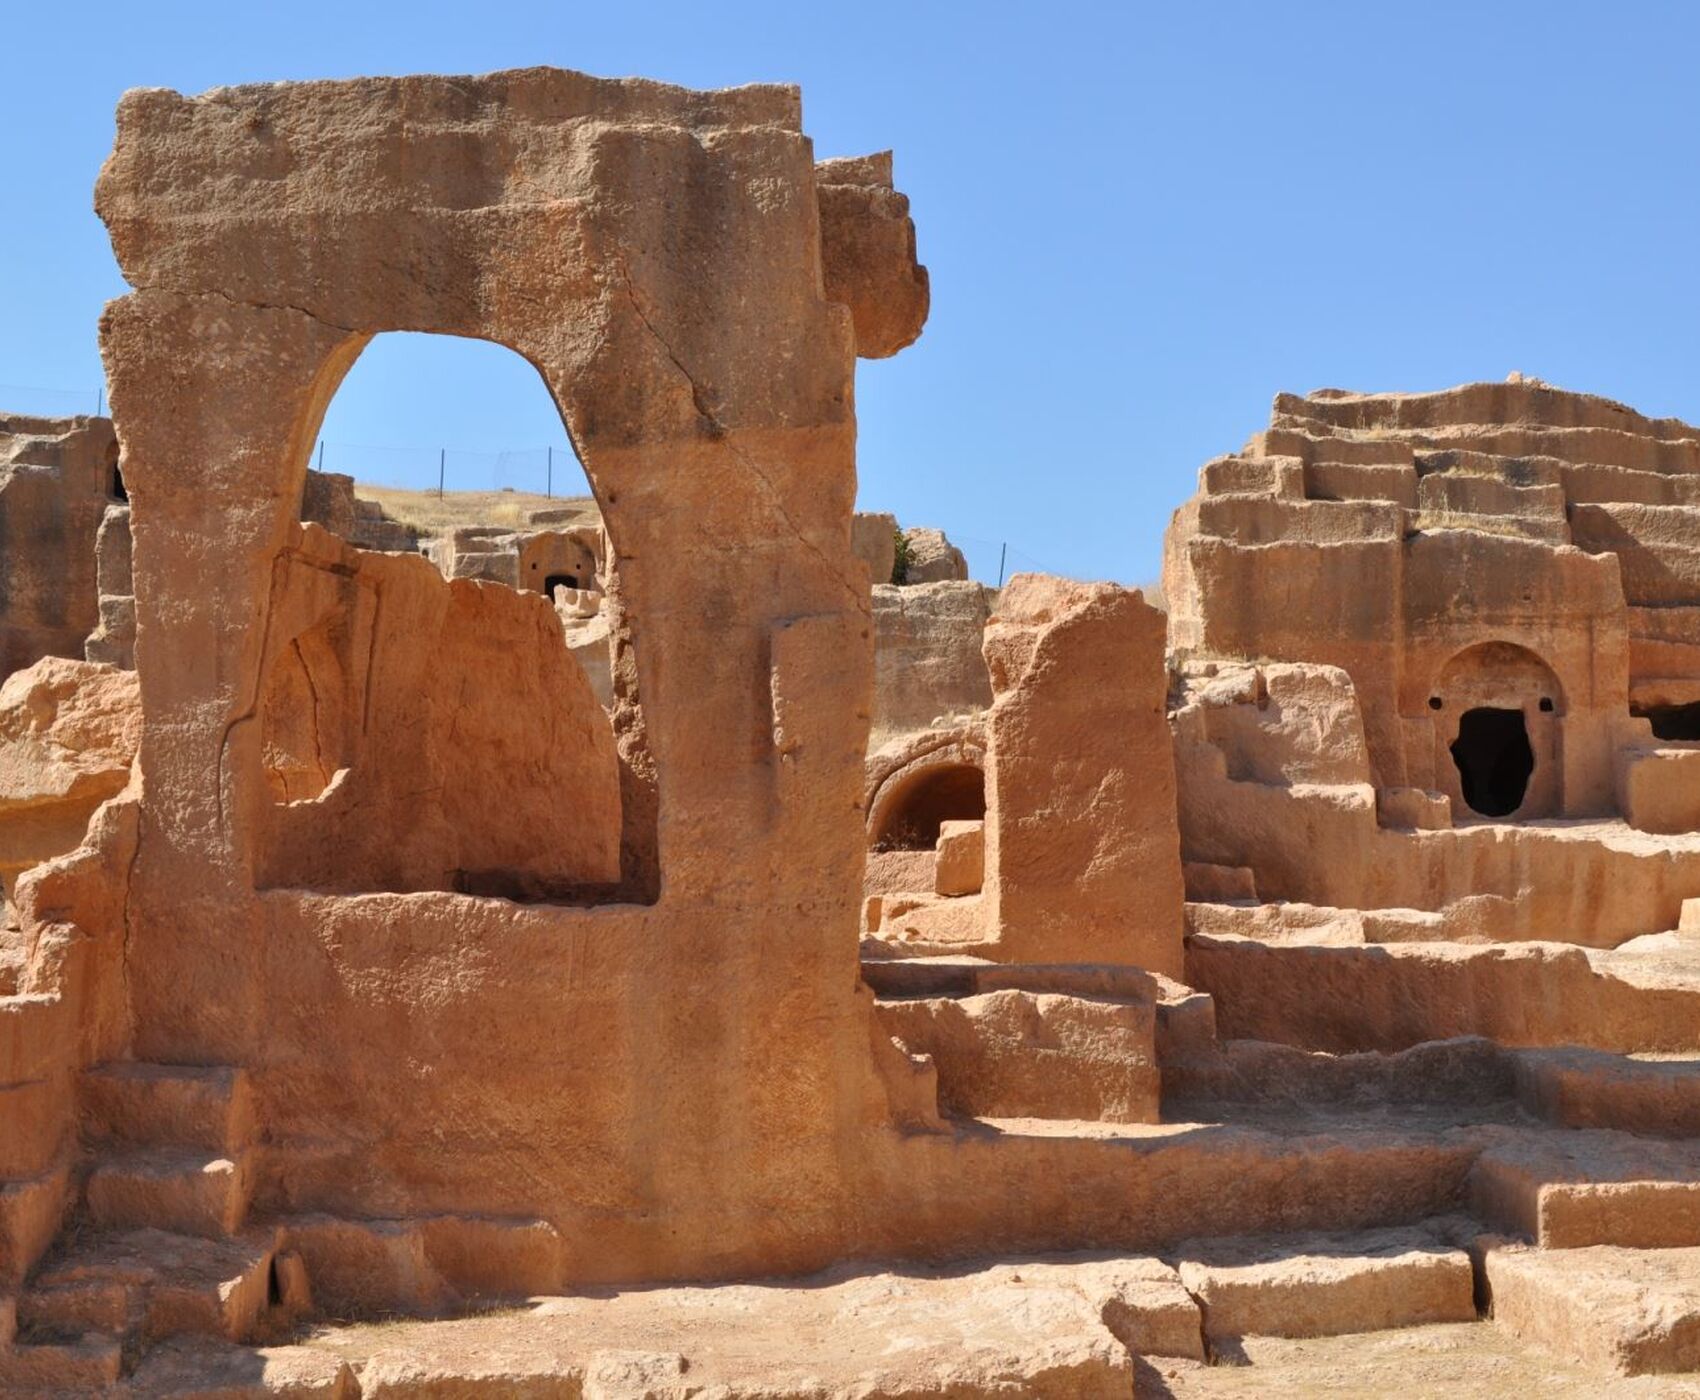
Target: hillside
{"x": 431, "y": 514}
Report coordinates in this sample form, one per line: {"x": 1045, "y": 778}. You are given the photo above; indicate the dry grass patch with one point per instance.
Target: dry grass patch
{"x": 431, "y": 514}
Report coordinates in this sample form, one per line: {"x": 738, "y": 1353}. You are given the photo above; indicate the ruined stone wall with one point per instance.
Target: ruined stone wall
{"x": 682, "y": 1082}
{"x": 113, "y": 641}
{"x": 1042, "y": 829}
{"x": 327, "y": 498}
{"x": 1082, "y": 855}
{"x": 928, "y": 661}
{"x": 1390, "y": 535}
{"x": 422, "y": 734}
{"x": 56, "y": 480}
{"x": 68, "y": 733}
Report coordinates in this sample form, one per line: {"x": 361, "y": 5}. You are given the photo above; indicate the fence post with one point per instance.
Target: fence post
{"x": 1003, "y": 553}
{"x": 321, "y": 454}
{"x": 100, "y": 401}
{"x": 442, "y": 469}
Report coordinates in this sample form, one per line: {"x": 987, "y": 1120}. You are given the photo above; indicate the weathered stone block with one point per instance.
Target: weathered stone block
{"x": 960, "y": 867}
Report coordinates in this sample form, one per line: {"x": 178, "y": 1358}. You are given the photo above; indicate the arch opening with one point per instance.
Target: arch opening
{"x": 933, "y": 796}
{"x": 482, "y": 719}
{"x": 1494, "y": 759}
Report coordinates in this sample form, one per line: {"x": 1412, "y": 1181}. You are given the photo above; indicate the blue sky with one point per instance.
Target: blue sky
{"x": 1142, "y": 221}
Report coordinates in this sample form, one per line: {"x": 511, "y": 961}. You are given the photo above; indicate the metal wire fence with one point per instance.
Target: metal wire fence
{"x": 35, "y": 401}
{"x": 993, "y": 561}
{"x": 550, "y": 471}
{"x": 541, "y": 471}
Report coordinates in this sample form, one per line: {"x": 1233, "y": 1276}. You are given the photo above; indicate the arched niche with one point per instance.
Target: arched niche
{"x": 912, "y": 798}
{"x": 1498, "y": 709}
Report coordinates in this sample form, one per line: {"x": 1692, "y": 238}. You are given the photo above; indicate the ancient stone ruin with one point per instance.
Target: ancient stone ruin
{"x": 702, "y": 942}
{"x": 61, "y": 505}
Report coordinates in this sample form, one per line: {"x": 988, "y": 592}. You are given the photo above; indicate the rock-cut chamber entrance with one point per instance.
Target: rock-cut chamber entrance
{"x": 1494, "y": 759}
{"x": 933, "y": 796}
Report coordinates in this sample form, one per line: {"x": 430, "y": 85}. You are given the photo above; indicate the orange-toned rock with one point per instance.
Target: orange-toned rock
{"x": 423, "y": 734}
{"x": 68, "y": 734}
{"x": 113, "y": 640}
{"x": 1497, "y": 583}
{"x": 1082, "y": 851}
{"x": 868, "y": 254}
{"x": 1319, "y": 1285}
{"x": 1592, "y": 1188}
{"x": 1014, "y": 1054}
{"x": 929, "y": 662}
{"x": 931, "y": 557}
{"x": 960, "y": 865}
{"x": 57, "y": 476}
{"x": 1634, "y": 1311}
{"x": 873, "y": 536}
{"x": 484, "y": 948}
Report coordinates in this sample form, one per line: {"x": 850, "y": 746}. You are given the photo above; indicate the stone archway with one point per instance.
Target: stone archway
{"x": 1497, "y": 710}
{"x": 694, "y": 292}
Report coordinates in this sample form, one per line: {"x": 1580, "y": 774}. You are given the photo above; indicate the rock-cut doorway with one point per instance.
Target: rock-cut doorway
{"x": 1494, "y": 758}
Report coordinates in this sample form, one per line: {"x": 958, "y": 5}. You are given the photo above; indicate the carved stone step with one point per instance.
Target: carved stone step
{"x": 1468, "y": 1070}
{"x": 1565, "y": 1190}
{"x": 60, "y": 1368}
{"x": 30, "y": 1214}
{"x": 1018, "y": 1054}
{"x": 1324, "y": 1284}
{"x": 185, "y": 1190}
{"x": 1653, "y": 1097}
{"x": 151, "y": 1284}
{"x": 1628, "y": 1310}
{"x": 213, "y": 1370}
{"x": 152, "y": 1105}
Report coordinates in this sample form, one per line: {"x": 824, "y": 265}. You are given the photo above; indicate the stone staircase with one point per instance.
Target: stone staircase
{"x": 1580, "y": 1211}
{"x": 1271, "y": 1188}
{"x": 36, "y": 1031}
{"x": 157, "y": 1246}
{"x": 1369, "y": 1186}
{"x": 1652, "y": 1096}
{"x": 172, "y": 1145}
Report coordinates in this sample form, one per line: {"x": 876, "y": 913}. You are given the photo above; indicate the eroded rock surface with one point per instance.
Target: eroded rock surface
{"x": 414, "y": 970}
{"x": 928, "y": 658}
{"x": 68, "y": 734}
{"x": 57, "y": 477}
{"x": 932, "y": 558}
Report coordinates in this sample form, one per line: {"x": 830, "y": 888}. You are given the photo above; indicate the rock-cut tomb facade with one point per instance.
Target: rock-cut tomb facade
{"x": 719, "y": 886}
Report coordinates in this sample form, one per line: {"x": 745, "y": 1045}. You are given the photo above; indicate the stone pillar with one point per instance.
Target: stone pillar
{"x": 1082, "y": 841}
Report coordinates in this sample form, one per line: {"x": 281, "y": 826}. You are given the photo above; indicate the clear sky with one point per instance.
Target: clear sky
{"x": 1142, "y": 221}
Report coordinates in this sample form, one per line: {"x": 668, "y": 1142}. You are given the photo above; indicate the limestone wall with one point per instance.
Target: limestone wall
{"x": 678, "y": 1080}
{"x": 1394, "y": 535}
{"x": 422, "y": 734}
{"x": 1082, "y": 855}
{"x": 56, "y": 480}
{"x": 928, "y": 661}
